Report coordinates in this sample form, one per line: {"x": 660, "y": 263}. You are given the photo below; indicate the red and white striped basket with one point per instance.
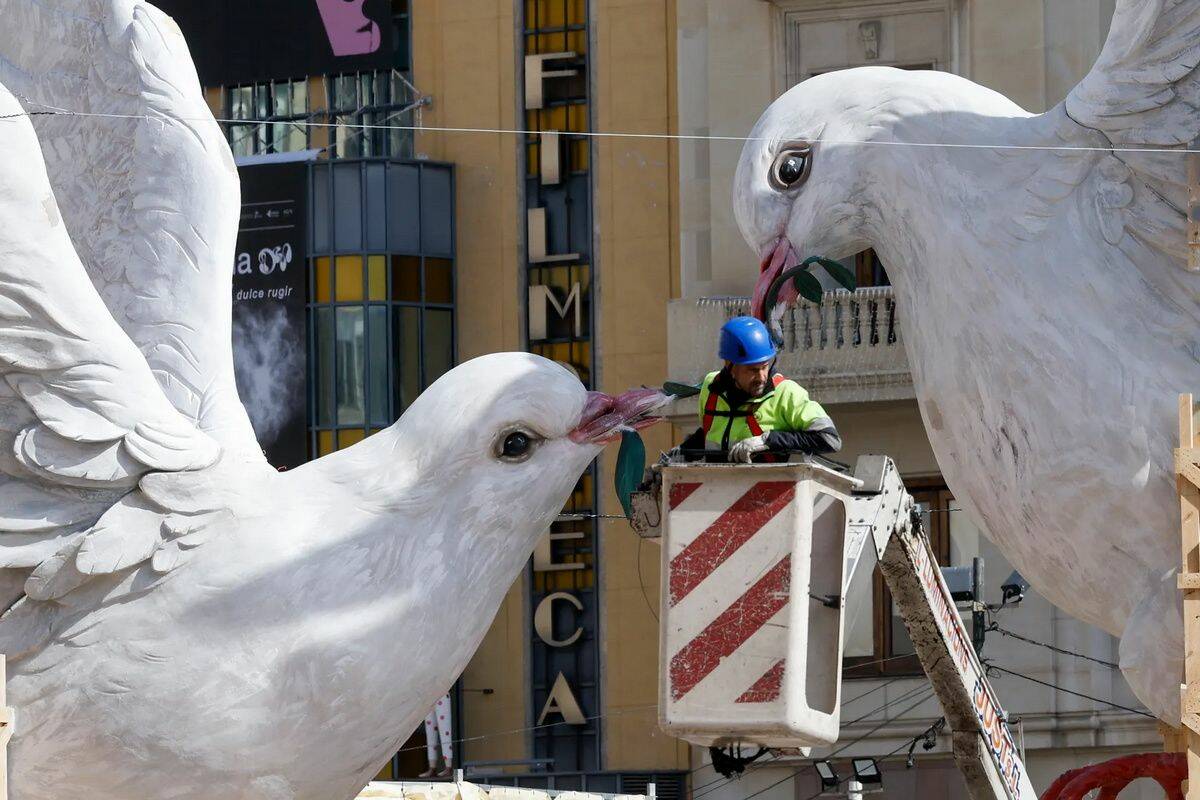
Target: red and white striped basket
{"x": 746, "y": 654}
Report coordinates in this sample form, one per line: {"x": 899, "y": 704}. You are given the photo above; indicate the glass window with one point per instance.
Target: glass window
{"x": 438, "y": 344}
{"x": 373, "y": 113}
{"x": 324, "y": 377}
{"x": 377, "y": 277}
{"x": 347, "y": 203}
{"x": 351, "y": 366}
{"x": 349, "y": 436}
{"x": 382, "y": 322}
{"x": 275, "y": 114}
{"x": 323, "y": 282}
{"x": 408, "y": 356}
{"x": 964, "y": 536}
{"x": 438, "y": 281}
{"x": 349, "y": 284}
{"x": 377, "y": 366}
{"x": 877, "y": 642}
{"x": 406, "y": 279}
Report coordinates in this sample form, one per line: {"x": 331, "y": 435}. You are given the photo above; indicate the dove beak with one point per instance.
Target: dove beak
{"x": 604, "y": 417}
{"x": 782, "y": 256}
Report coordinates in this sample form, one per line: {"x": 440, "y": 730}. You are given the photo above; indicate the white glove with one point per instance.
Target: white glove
{"x": 742, "y": 450}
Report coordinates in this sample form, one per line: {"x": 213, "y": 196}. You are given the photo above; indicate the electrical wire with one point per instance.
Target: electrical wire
{"x": 1013, "y": 635}
{"x": 886, "y": 756}
{"x": 696, "y": 794}
{"x": 50, "y": 110}
{"x": 642, "y": 582}
{"x": 847, "y": 745}
{"x": 538, "y": 727}
{"x": 772, "y": 757}
{"x": 882, "y": 661}
{"x": 883, "y": 685}
{"x": 989, "y": 666}
{"x": 845, "y": 703}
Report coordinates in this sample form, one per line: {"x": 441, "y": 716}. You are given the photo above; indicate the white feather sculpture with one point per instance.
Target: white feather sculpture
{"x": 1040, "y": 265}
{"x": 182, "y": 620}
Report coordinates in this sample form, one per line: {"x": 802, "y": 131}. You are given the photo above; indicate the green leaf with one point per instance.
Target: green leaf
{"x": 680, "y": 389}
{"x": 631, "y": 463}
{"x": 808, "y": 287}
{"x": 839, "y": 273}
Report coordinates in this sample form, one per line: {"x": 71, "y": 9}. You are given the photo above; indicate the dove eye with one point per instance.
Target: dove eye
{"x": 791, "y": 167}
{"x": 516, "y": 445}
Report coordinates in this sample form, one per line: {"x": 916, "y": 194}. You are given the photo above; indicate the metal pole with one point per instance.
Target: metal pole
{"x": 978, "y": 619}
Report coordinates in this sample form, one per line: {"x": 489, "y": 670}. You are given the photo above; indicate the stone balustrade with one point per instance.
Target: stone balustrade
{"x": 847, "y": 349}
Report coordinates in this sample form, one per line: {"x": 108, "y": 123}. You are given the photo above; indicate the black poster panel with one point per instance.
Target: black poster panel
{"x": 254, "y": 41}
{"x": 270, "y": 341}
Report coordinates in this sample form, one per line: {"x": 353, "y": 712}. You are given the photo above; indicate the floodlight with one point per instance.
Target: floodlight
{"x": 1013, "y": 590}
{"x": 827, "y": 774}
{"x": 866, "y": 771}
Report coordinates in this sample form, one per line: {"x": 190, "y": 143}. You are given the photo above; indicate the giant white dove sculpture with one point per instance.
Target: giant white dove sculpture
{"x": 1050, "y": 319}
{"x": 182, "y": 620}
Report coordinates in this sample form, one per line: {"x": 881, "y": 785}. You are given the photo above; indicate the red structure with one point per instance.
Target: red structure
{"x": 1110, "y": 777}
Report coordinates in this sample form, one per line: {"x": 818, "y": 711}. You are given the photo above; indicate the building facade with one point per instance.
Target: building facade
{"x": 567, "y": 247}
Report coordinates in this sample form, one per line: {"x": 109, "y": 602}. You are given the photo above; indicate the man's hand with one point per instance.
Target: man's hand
{"x": 744, "y": 449}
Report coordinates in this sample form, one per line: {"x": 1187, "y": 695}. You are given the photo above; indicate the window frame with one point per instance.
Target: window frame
{"x": 262, "y": 130}
{"x": 883, "y": 662}
{"x": 423, "y": 252}
{"x": 340, "y": 117}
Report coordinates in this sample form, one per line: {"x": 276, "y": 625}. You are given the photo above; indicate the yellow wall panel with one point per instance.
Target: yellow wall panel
{"x": 463, "y": 56}
{"x": 635, "y": 203}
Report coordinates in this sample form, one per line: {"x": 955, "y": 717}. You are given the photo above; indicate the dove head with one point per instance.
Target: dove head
{"x": 510, "y": 434}
{"x": 812, "y": 178}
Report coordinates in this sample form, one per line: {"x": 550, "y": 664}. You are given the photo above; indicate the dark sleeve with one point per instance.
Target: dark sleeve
{"x": 819, "y": 442}
{"x": 694, "y": 441}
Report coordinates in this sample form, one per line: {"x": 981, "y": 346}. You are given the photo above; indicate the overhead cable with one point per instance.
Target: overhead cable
{"x": 160, "y": 120}
{"x": 843, "y": 748}
{"x": 1013, "y": 635}
{"x": 990, "y": 666}
{"x": 928, "y": 693}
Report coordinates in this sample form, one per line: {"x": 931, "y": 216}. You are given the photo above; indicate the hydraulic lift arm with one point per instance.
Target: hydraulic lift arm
{"x": 983, "y": 746}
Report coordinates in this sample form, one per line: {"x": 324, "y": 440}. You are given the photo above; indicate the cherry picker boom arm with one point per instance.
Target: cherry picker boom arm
{"x": 983, "y": 746}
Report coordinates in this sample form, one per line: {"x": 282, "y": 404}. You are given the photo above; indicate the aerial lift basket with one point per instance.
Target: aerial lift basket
{"x": 753, "y": 565}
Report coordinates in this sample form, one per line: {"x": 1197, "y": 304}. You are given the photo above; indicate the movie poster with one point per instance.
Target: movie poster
{"x": 270, "y": 342}
{"x": 234, "y": 42}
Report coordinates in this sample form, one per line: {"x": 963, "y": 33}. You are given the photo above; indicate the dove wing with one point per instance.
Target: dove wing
{"x": 82, "y": 418}
{"x": 148, "y": 189}
{"x": 1144, "y": 91}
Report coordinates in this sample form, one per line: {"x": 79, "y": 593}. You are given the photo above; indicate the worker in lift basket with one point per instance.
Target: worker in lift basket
{"x": 747, "y": 408}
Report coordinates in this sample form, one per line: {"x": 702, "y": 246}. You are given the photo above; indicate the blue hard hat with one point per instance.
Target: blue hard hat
{"x": 745, "y": 340}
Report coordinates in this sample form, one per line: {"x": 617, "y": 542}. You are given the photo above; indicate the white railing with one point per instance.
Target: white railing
{"x": 847, "y": 349}
{"x": 864, "y": 317}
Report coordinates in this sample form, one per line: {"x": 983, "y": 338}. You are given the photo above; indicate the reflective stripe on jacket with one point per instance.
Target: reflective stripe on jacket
{"x": 785, "y": 407}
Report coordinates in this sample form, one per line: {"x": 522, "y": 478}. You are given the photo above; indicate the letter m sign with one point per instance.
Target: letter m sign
{"x": 541, "y": 298}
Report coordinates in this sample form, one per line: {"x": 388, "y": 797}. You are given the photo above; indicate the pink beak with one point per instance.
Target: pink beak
{"x": 782, "y": 257}
{"x": 605, "y": 416}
